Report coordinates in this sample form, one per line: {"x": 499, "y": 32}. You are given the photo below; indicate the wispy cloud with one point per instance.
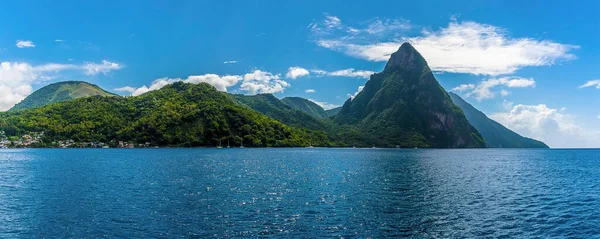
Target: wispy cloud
{"x": 230, "y": 62}
{"x": 24, "y": 44}
{"x": 310, "y": 91}
{"x": 461, "y": 47}
{"x": 350, "y": 72}
{"x": 485, "y": 89}
{"x": 591, "y": 83}
{"x": 59, "y": 40}
{"x": 105, "y": 67}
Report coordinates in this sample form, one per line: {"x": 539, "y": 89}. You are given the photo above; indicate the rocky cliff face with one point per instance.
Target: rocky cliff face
{"x": 405, "y": 105}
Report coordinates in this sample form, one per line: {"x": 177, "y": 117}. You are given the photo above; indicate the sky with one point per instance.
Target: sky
{"x": 530, "y": 65}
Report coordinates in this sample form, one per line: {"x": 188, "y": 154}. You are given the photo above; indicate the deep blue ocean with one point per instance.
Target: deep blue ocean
{"x": 299, "y": 193}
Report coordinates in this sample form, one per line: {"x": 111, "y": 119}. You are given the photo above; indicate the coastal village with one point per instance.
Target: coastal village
{"x": 34, "y": 140}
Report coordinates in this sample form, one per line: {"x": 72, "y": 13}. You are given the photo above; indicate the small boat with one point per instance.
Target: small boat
{"x": 219, "y": 147}
{"x": 241, "y": 144}
{"x": 228, "y": 144}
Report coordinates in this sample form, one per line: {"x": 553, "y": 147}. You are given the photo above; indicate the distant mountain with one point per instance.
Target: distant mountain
{"x": 275, "y": 108}
{"x": 332, "y": 112}
{"x": 405, "y": 105}
{"x": 60, "y": 91}
{"x": 494, "y": 134}
{"x": 305, "y": 106}
{"x": 179, "y": 114}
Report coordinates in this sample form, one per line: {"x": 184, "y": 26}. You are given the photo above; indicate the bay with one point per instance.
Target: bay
{"x": 302, "y": 192}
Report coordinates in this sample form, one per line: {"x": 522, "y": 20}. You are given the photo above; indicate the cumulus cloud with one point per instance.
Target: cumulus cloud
{"x": 549, "y": 125}
{"x": 595, "y": 83}
{"x": 295, "y": 72}
{"x": 219, "y": 82}
{"x": 325, "y": 105}
{"x": 16, "y": 79}
{"x": 256, "y": 82}
{"x": 485, "y": 89}
{"x": 24, "y": 44}
{"x": 461, "y": 47}
{"x": 259, "y": 82}
{"x": 105, "y": 67}
{"x": 15, "y": 83}
{"x": 350, "y": 72}
{"x": 310, "y": 91}
{"x": 230, "y": 62}
{"x": 360, "y": 88}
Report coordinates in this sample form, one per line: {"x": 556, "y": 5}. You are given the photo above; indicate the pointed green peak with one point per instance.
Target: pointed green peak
{"x": 406, "y": 58}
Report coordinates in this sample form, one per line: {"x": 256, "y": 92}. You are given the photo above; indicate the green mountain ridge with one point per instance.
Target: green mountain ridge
{"x": 60, "y": 91}
{"x": 305, "y": 106}
{"x": 494, "y": 134}
{"x": 332, "y": 112}
{"x": 405, "y": 105}
{"x": 275, "y": 108}
{"x": 179, "y": 114}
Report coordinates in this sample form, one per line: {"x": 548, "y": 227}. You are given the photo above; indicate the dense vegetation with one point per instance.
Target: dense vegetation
{"x": 60, "y": 91}
{"x": 305, "y": 106}
{"x": 404, "y": 105}
{"x": 177, "y": 115}
{"x": 494, "y": 134}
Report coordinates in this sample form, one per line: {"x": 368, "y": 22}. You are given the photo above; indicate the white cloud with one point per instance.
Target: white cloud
{"x": 325, "y": 105}
{"x": 16, "y": 79}
{"x": 230, "y": 62}
{"x": 24, "y": 44}
{"x": 507, "y": 105}
{"x": 374, "y": 27}
{"x": 360, "y": 88}
{"x": 105, "y": 67}
{"x": 595, "y": 83}
{"x": 350, "y": 72}
{"x": 310, "y": 91}
{"x": 259, "y": 82}
{"x": 219, "y": 82}
{"x": 15, "y": 83}
{"x": 127, "y": 89}
{"x": 295, "y": 72}
{"x": 461, "y": 47}
{"x": 485, "y": 89}
{"x": 464, "y": 87}
{"x": 548, "y": 125}
{"x": 59, "y": 40}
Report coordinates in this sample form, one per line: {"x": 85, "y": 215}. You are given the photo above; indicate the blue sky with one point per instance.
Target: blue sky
{"x": 531, "y": 65}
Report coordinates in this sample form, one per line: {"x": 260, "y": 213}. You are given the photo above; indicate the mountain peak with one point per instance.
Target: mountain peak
{"x": 407, "y": 58}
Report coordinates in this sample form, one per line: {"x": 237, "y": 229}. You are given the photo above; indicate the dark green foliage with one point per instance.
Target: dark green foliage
{"x": 271, "y": 106}
{"x": 404, "y": 105}
{"x": 60, "y": 91}
{"x": 178, "y": 115}
{"x": 494, "y": 134}
{"x": 305, "y": 106}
